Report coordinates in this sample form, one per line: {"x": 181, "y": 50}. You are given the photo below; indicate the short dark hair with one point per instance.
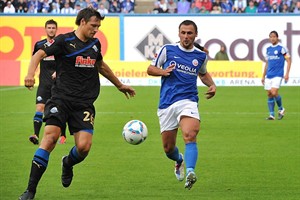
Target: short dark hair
{"x": 86, "y": 14}
{"x": 275, "y": 32}
{"x": 189, "y": 22}
{"x": 51, "y": 21}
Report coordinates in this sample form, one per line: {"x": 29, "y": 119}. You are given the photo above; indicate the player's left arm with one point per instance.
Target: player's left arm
{"x": 106, "y": 71}
{"x": 209, "y": 82}
{"x": 287, "y": 57}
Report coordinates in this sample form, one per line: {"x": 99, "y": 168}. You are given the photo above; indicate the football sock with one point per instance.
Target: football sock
{"x": 38, "y": 167}
{"x": 37, "y": 122}
{"x": 175, "y": 156}
{"x": 279, "y": 102}
{"x": 190, "y": 156}
{"x": 73, "y": 158}
{"x": 271, "y": 105}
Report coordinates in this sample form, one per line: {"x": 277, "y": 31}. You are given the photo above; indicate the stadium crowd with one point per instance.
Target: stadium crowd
{"x": 226, "y": 6}
{"x": 66, "y": 6}
{"x": 160, "y": 6}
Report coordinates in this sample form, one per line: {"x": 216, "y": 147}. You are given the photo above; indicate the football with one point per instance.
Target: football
{"x": 135, "y": 132}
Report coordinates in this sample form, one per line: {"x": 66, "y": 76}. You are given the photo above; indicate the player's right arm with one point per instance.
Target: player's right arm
{"x": 155, "y": 71}
{"x": 34, "y": 62}
{"x": 264, "y": 73}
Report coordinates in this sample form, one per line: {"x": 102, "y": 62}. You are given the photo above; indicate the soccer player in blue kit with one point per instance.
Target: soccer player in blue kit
{"x": 179, "y": 66}
{"x": 77, "y": 86}
{"x": 273, "y": 74}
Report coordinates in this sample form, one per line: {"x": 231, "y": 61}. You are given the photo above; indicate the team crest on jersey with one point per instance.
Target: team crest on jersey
{"x": 275, "y": 52}
{"x": 95, "y": 48}
{"x": 195, "y": 62}
{"x": 49, "y": 43}
{"x": 84, "y": 62}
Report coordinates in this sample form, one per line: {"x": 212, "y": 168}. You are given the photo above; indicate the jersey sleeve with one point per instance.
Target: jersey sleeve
{"x": 54, "y": 47}
{"x": 36, "y": 48}
{"x": 203, "y": 69}
{"x": 285, "y": 51}
{"x": 160, "y": 57}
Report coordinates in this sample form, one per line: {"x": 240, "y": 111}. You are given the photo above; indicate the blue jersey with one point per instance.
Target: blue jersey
{"x": 182, "y": 82}
{"x": 275, "y": 57}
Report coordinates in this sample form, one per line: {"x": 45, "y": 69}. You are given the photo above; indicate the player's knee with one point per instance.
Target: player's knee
{"x": 190, "y": 136}
{"x": 84, "y": 148}
{"x": 168, "y": 148}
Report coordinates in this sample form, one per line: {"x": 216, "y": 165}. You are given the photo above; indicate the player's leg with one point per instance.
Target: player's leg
{"x": 37, "y": 123}
{"x": 168, "y": 128}
{"x": 277, "y": 97}
{"x": 83, "y": 118}
{"x": 172, "y": 152}
{"x": 270, "y": 101}
{"x": 190, "y": 127}
{"x": 40, "y": 160}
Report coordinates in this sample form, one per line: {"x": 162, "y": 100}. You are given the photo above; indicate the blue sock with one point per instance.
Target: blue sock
{"x": 73, "y": 158}
{"x": 191, "y": 156}
{"x": 279, "y": 102}
{"x": 41, "y": 156}
{"x": 271, "y": 105}
{"x": 175, "y": 156}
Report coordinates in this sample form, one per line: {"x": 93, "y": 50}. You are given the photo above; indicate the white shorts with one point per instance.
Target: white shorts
{"x": 272, "y": 83}
{"x": 169, "y": 117}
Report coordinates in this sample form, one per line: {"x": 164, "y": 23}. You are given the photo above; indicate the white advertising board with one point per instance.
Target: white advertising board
{"x": 246, "y": 37}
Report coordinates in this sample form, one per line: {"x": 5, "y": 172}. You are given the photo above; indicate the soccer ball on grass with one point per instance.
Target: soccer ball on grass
{"x": 135, "y": 132}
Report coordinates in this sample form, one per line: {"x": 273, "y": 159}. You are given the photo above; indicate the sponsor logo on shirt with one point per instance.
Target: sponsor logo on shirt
{"x": 84, "y": 62}
{"x": 49, "y": 58}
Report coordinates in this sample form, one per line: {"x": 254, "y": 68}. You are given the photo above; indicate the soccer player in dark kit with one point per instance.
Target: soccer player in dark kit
{"x": 47, "y": 76}
{"x": 76, "y": 88}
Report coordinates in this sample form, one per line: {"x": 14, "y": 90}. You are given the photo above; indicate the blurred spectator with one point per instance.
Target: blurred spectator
{"x": 216, "y": 9}
{"x": 239, "y": 6}
{"x": 218, "y": 4}
{"x": 46, "y": 8}
{"x": 115, "y": 7}
{"x": 105, "y": 3}
{"x": 198, "y": 3}
{"x": 203, "y": 10}
{"x": 263, "y": 7}
{"x": 32, "y": 6}
{"x": 194, "y": 9}
{"x": 55, "y": 8}
{"x": 275, "y": 8}
{"x": 127, "y": 6}
{"x": 92, "y": 4}
{"x": 82, "y": 3}
{"x": 2, "y": 5}
{"x": 207, "y": 4}
{"x": 297, "y": 7}
{"x": 222, "y": 54}
{"x": 157, "y": 9}
{"x": 226, "y": 6}
{"x": 183, "y": 7}
{"x": 284, "y": 9}
{"x": 67, "y": 9}
{"x": 164, "y": 6}
{"x": 251, "y": 8}
{"x": 77, "y": 9}
{"x": 9, "y": 8}
{"x": 172, "y": 6}
{"x": 101, "y": 9}
{"x": 288, "y": 5}
{"x": 22, "y": 6}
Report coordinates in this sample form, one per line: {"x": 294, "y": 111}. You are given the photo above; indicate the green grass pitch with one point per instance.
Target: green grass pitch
{"x": 242, "y": 156}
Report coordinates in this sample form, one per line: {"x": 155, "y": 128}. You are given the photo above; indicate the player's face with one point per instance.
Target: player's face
{"x": 51, "y": 30}
{"x": 91, "y": 27}
{"x": 273, "y": 38}
{"x": 187, "y": 35}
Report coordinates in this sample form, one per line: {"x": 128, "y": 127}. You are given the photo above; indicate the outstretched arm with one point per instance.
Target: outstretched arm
{"x": 208, "y": 81}
{"x": 34, "y": 62}
{"x": 105, "y": 70}
{"x": 155, "y": 71}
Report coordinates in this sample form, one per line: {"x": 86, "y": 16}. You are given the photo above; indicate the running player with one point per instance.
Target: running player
{"x": 179, "y": 65}
{"x": 273, "y": 74}
{"x": 77, "y": 86}
{"x": 46, "y": 77}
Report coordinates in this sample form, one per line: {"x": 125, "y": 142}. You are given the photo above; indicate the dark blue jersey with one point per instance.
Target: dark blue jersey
{"x": 77, "y": 76}
{"x": 47, "y": 65}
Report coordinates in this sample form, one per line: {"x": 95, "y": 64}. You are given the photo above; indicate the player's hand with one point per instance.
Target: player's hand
{"x": 263, "y": 80}
{"x": 127, "y": 90}
{"x": 211, "y": 92}
{"x": 29, "y": 82}
{"x": 286, "y": 78}
{"x": 53, "y": 76}
{"x": 168, "y": 70}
